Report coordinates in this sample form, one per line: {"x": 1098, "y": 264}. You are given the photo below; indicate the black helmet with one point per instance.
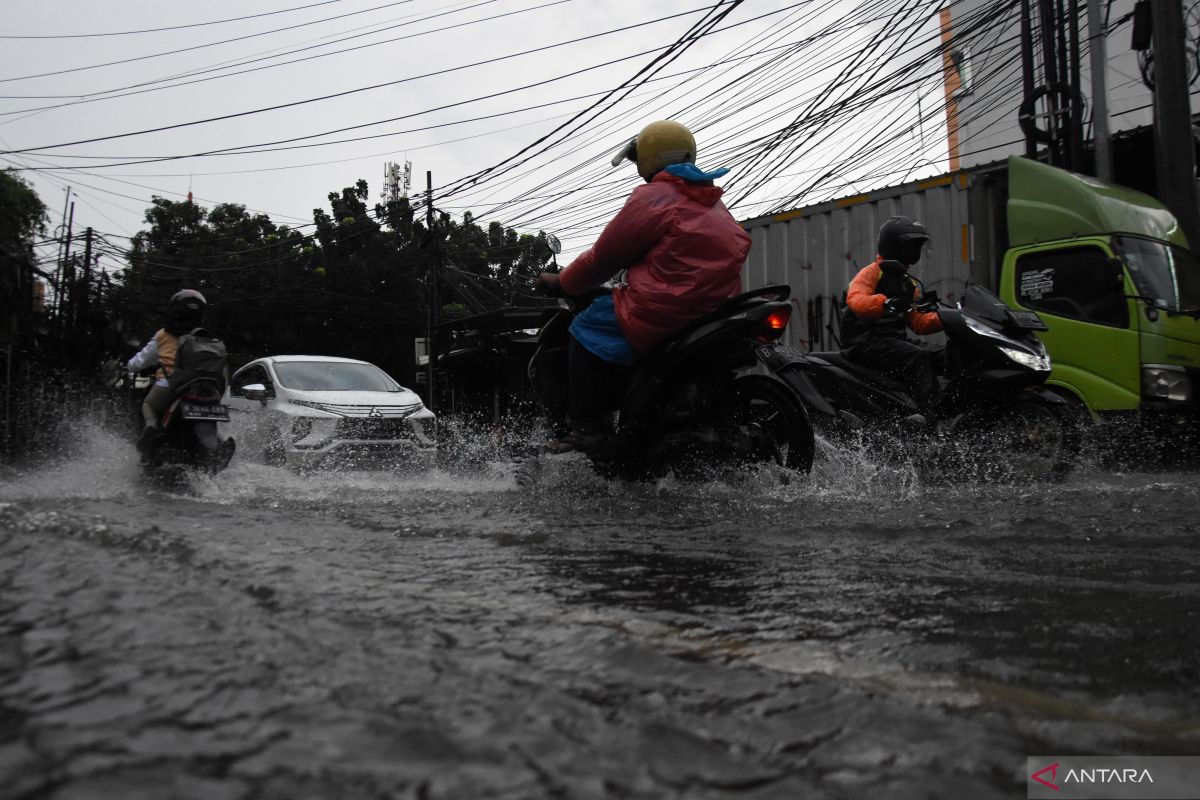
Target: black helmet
{"x": 186, "y": 309}
{"x": 901, "y": 239}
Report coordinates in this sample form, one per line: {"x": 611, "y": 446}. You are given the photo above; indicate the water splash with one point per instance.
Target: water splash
{"x": 95, "y": 463}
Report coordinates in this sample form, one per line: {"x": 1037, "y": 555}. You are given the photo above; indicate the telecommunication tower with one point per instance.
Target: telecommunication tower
{"x": 396, "y": 181}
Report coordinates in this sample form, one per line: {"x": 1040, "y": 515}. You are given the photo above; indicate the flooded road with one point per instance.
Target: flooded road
{"x": 862, "y": 633}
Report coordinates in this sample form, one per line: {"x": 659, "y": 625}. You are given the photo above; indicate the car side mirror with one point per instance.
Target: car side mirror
{"x": 256, "y": 391}
{"x": 893, "y": 268}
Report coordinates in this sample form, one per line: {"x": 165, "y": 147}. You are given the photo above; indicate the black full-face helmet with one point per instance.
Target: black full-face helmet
{"x": 902, "y": 239}
{"x": 186, "y": 309}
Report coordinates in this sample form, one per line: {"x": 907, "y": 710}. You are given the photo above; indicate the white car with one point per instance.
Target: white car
{"x": 309, "y": 411}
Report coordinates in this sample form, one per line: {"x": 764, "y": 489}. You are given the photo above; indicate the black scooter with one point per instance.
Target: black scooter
{"x": 993, "y": 417}
{"x": 704, "y": 400}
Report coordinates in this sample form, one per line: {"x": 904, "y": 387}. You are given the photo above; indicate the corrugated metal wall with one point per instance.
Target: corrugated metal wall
{"x": 817, "y": 250}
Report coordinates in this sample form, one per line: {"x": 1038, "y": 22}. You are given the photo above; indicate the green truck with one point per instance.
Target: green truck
{"x": 1109, "y": 271}
{"x": 1107, "y": 268}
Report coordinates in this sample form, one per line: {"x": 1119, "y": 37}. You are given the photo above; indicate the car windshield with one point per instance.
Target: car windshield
{"x": 333, "y": 376}
{"x": 1162, "y": 271}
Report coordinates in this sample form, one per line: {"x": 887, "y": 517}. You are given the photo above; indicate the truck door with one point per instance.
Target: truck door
{"x": 1081, "y": 296}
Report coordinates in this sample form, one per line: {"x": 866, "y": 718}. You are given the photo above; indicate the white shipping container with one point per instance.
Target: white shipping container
{"x": 818, "y": 249}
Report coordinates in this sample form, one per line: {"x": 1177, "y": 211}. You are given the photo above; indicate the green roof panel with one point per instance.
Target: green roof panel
{"x": 1047, "y": 204}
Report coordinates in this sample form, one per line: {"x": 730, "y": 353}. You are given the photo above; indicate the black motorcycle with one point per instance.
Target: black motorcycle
{"x": 993, "y": 418}
{"x": 702, "y": 401}
{"x": 188, "y": 437}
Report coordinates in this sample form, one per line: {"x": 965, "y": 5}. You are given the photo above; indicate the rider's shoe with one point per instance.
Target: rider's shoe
{"x": 146, "y": 440}
{"x": 582, "y": 440}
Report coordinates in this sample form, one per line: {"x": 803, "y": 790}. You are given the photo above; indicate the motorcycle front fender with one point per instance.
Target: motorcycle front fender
{"x": 1048, "y": 396}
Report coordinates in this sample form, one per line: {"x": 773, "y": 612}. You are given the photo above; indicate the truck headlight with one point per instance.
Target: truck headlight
{"x": 1033, "y": 361}
{"x": 1166, "y": 382}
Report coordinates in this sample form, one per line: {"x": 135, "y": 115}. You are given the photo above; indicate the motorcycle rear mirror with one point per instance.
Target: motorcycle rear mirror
{"x": 627, "y": 151}
{"x": 892, "y": 267}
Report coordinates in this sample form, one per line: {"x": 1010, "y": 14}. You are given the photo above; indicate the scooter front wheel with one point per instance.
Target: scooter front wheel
{"x": 1029, "y": 440}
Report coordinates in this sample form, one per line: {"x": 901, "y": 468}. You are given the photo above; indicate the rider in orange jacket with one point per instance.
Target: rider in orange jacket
{"x": 879, "y": 309}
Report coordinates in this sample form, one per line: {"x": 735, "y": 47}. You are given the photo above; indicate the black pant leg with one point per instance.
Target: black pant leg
{"x": 903, "y": 361}
{"x": 596, "y": 387}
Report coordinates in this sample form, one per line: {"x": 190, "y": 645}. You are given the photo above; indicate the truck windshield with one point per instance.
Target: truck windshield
{"x": 1162, "y": 271}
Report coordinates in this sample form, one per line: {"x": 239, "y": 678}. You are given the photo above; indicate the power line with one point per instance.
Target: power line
{"x": 361, "y": 89}
{"x": 171, "y": 28}
{"x": 198, "y": 46}
{"x": 135, "y": 89}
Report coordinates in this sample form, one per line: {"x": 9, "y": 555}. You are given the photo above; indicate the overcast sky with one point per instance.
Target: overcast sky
{"x": 75, "y": 85}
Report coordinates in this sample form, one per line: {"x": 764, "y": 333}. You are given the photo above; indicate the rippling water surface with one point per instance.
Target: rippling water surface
{"x": 861, "y": 632}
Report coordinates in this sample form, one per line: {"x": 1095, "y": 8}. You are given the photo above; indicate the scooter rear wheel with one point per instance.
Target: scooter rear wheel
{"x": 770, "y": 408}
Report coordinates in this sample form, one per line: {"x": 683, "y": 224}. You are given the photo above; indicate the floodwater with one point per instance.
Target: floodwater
{"x": 859, "y": 633}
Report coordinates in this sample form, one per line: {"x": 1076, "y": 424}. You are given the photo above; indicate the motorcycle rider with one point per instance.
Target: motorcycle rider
{"x": 879, "y": 305}
{"x": 681, "y": 252}
{"x": 185, "y": 311}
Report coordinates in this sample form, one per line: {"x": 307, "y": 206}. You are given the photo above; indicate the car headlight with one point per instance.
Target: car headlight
{"x": 1034, "y": 361}
{"x": 1166, "y": 382}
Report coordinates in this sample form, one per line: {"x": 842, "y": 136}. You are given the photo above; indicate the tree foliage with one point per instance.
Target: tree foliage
{"x": 22, "y": 221}
{"x": 358, "y": 285}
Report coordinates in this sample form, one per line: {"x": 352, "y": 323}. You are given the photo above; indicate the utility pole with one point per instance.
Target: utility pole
{"x": 434, "y": 301}
{"x": 58, "y": 269}
{"x": 66, "y": 277}
{"x": 1050, "y": 78}
{"x": 82, "y": 307}
{"x": 1174, "y": 145}
{"x": 1027, "y": 79}
{"x": 1075, "y": 117}
{"x": 1098, "y": 53}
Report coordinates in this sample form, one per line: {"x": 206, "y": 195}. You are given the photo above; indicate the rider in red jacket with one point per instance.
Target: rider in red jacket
{"x": 682, "y": 254}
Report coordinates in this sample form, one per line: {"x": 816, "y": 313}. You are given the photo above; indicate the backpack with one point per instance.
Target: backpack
{"x": 199, "y": 355}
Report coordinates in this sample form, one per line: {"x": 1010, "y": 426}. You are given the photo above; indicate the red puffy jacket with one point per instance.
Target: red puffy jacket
{"x": 683, "y": 251}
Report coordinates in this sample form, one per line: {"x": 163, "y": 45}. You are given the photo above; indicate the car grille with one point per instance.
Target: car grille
{"x": 375, "y": 412}
{"x": 373, "y": 429}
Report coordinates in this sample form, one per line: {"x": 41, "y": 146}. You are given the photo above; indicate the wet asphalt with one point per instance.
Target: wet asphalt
{"x": 860, "y": 633}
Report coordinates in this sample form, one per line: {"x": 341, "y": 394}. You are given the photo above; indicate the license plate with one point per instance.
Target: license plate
{"x": 778, "y": 355}
{"x": 204, "y": 411}
{"x": 1027, "y": 320}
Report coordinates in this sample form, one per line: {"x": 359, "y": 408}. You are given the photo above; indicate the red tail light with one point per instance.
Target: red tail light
{"x": 775, "y": 324}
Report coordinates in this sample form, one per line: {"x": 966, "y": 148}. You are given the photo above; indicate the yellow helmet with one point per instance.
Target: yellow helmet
{"x": 659, "y": 144}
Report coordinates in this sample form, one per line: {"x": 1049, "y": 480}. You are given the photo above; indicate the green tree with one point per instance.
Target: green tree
{"x": 22, "y": 221}
{"x": 250, "y": 270}
{"x": 358, "y": 286}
